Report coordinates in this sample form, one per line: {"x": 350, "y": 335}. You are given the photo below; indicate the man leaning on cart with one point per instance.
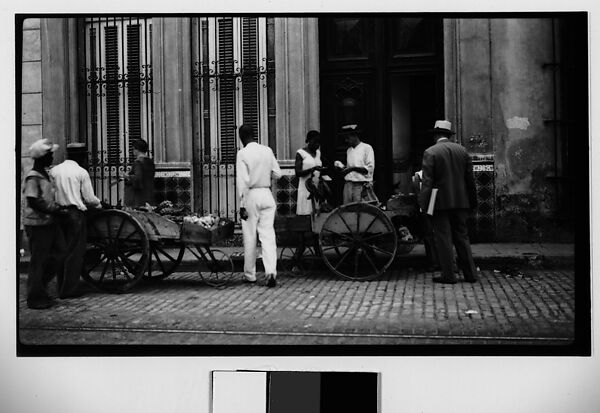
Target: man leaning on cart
{"x": 74, "y": 193}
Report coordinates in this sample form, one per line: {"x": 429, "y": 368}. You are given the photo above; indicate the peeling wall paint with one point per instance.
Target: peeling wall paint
{"x": 517, "y": 123}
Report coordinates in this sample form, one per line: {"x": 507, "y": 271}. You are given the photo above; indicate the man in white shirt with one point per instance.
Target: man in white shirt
{"x": 255, "y": 165}
{"x": 74, "y": 192}
{"x": 360, "y": 165}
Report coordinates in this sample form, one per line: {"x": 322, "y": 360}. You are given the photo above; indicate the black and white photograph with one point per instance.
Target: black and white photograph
{"x": 299, "y": 207}
{"x": 345, "y": 180}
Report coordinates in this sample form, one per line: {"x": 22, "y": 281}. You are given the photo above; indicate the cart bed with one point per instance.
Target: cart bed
{"x": 197, "y": 234}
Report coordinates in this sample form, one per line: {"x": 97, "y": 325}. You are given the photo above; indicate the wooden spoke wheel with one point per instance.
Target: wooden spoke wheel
{"x": 117, "y": 251}
{"x": 165, "y": 257}
{"x": 219, "y": 267}
{"x": 358, "y": 241}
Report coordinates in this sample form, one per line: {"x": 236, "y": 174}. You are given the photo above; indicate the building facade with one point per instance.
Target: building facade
{"x": 515, "y": 90}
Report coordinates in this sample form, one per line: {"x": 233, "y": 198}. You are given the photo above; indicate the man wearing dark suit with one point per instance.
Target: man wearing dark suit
{"x": 447, "y": 166}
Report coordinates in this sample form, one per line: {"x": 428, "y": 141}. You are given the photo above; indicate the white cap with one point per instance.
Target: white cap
{"x": 41, "y": 147}
{"x": 443, "y": 126}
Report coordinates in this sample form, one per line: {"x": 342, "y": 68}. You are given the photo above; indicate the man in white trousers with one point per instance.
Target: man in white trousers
{"x": 255, "y": 165}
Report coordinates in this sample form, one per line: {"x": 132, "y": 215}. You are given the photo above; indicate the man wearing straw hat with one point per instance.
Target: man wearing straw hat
{"x": 447, "y": 167}
{"x": 46, "y": 241}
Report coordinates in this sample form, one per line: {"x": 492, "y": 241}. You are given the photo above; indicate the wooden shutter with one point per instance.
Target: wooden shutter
{"x": 93, "y": 92}
{"x": 111, "y": 57}
{"x": 250, "y": 69}
{"x": 226, "y": 89}
{"x": 271, "y": 82}
{"x": 134, "y": 118}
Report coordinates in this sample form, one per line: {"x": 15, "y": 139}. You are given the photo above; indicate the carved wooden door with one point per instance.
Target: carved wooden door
{"x": 384, "y": 74}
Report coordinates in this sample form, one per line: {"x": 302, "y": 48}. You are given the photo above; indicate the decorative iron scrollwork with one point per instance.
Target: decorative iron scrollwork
{"x": 239, "y": 75}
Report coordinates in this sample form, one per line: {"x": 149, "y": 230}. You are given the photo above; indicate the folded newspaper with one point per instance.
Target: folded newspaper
{"x": 431, "y": 206}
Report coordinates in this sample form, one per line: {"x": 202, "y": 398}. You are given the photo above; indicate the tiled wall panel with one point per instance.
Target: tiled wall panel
{"x": 175, "y": 186}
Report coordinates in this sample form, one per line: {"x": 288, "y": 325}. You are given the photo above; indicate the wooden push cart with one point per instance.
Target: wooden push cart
{"x": 125, "y": 245}
{"x": 357, "y": 241}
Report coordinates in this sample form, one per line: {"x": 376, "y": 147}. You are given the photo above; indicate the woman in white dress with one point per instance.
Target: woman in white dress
{"x": 308, "y": 160}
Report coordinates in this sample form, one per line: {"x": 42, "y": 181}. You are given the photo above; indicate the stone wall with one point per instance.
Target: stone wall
{"x": 31, "y": 90}
{"x": 505, "y": 109}
{"x": 524, "y": 141}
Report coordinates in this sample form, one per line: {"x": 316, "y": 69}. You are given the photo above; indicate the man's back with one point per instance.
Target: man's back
{"x": 452, "y": 173}
{"x": 259, "y": 163}
{"x": 255, "y": 165}
{"x": 73, "y": 185}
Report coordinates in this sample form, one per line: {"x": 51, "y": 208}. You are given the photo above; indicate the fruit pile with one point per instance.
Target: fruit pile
{"x": 207, "y": 221}
{"x": 166, "y": 208}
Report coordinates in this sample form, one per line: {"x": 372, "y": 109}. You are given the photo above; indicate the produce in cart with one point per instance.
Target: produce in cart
{"x": 145, "y": 208}
{"x": 206, "y": 230}
{"x": 207, "y": 221}
{"x": 125, "y": 245}
{"x": 169, "y": 211}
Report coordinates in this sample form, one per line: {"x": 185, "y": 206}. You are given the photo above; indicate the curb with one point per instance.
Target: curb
{"x": 418, "y": 261}
{"x": 532, "y": 258}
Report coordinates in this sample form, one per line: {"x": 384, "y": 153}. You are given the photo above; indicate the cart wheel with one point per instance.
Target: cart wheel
{"x": 165, "y": 257}
{"x": 358, "y": 241}
{"x": 296, "y": 266}
{"x": 220, "y": 269}
{"x": 117, "y": 251}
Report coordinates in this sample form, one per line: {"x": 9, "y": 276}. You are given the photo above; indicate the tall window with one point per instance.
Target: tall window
{"x": 117, "y": 82}
{"x": 234, "y": 68}
{"x": 234, "y": 84}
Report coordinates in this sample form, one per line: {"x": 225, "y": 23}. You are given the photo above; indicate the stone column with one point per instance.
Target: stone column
{"x": 31, "y": 90}
{"x": 452, "y": 103}
{"x": 59, "y": 82}
{"x": 171, "y": 54}
{"x": 474, "y": 99}
{"x": 296, "y": 82}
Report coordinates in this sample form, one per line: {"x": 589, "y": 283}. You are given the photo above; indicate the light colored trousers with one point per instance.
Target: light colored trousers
{"x": 260, "y": 206}
{"x": 357, "y": 192}
{"x": 352, "y": 192}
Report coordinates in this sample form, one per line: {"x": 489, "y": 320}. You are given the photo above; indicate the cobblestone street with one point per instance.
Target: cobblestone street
{"x": 403, "y": 307}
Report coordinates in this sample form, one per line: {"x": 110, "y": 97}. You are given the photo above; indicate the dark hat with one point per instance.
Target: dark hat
{"x": 350, "y": 129}
{"x": 76, "y": 147}
{"x": 442, "y": 126}
{"x": 140, "y": 144}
